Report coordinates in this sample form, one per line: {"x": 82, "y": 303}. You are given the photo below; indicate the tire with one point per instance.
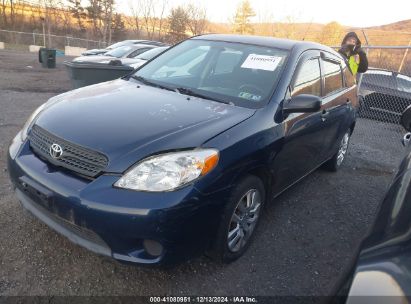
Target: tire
{"x": 224, "y": 251}
{"x": 336, "y": 161}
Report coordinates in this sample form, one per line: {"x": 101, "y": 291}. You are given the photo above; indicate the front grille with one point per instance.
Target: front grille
{"x": 74, "y": 157}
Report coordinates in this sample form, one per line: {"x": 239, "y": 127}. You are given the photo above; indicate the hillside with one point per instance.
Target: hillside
{"x": 402, "y": 26}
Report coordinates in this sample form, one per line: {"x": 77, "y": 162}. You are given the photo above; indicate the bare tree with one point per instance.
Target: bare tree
{"x": 162, "y": 9}
{"x": 107, "y": 19}
{"x": 135, "y": 8}
{"x": 197, "y": 18}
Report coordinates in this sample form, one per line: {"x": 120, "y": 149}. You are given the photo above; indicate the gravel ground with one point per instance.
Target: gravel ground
{"x": 306, "y": 238}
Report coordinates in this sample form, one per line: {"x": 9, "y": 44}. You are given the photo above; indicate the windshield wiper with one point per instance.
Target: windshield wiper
{"x": 190, "y": 92}
{"x": 151, "y": 83}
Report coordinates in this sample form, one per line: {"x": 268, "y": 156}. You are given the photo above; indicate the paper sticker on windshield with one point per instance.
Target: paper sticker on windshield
{"x": 249, "y": 96}
{"x": 261, "y": 62}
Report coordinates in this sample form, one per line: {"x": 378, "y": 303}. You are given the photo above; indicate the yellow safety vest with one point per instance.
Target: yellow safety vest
{"x": 352, "y": 62}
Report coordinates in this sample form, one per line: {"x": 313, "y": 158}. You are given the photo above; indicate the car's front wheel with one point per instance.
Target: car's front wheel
{"x": 239, "y": 220}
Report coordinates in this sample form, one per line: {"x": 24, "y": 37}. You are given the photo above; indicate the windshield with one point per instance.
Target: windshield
{"x": 243, "y": 74}
{"x": 119, "y": 52}
{"x": 151, "y": 53}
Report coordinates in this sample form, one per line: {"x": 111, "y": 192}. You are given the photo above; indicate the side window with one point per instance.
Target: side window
{"x": 308, "y": 80}
{"x": 333, "y": 77}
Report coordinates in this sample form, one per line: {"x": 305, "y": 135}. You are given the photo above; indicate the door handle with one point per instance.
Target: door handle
{"x": 324, "y": 115}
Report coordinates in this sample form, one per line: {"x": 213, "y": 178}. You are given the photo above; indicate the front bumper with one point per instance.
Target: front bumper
{"x": 115, "y": 222}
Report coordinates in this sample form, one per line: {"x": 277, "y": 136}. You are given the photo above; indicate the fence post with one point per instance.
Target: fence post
{"x": 404, "y": 57}
{"x": 34, "y": 39}
{"x": 360, "y": 75}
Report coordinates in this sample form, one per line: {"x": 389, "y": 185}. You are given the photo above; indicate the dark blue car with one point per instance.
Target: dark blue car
{"x": 179, "y": 157}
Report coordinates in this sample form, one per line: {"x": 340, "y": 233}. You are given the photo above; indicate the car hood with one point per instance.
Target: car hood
{"x": 128, "y": 122}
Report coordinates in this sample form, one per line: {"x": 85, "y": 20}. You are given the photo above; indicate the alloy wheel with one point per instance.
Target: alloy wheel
{"x": 244, "y": 220}
{"x": 343, "y": 148}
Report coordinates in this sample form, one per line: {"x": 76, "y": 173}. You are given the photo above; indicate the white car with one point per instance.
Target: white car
{"x": 126, "y": 51}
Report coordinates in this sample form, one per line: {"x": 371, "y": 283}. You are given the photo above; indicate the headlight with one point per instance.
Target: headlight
{"x": 169, "y": 171}
{"x": 32, "y": 118}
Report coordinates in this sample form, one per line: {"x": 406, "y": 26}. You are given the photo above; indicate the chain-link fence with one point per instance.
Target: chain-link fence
{"x": 384, "y": 93}
{"x": 23, "y": 39}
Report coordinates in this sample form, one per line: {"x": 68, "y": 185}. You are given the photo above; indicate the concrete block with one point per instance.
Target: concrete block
{"x": 34, "y": 48}
{"x": 73, "y": 51}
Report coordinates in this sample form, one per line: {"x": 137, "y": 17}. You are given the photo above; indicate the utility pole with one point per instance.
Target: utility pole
{"x": 44, "y": 31}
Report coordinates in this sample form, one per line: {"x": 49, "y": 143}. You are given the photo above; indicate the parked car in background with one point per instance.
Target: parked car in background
{"x": 83, "y": 73}
{"x": 121, "y": 43}
{"x": 384, "y": 95}
{"x": 382, "y": 266}
{"x": 140, "y": 59}
{"x": 126, "y": 51}
{"x": 180, "y": 156}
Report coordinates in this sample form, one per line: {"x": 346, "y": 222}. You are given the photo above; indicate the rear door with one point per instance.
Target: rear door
{"x": 336, "y": 104}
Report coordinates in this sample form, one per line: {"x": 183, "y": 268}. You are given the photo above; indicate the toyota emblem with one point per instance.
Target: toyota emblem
{"x": 56, "y": 151}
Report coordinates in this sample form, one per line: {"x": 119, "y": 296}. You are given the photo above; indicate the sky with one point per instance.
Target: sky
{"x": 357, "y": 13}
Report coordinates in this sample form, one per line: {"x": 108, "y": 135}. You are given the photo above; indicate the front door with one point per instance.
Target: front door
{"x": 304, "y": 133}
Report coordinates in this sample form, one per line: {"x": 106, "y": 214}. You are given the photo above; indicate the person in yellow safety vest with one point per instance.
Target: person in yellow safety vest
{"x": 351, "y": 50}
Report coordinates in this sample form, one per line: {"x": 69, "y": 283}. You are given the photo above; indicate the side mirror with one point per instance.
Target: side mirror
{"x": 406, "y": 118}
{"x": 303, "y": 103}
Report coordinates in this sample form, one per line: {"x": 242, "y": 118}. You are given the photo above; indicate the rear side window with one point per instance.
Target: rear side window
{"x": 308, "y": 80}
{"x": 332, "y": 76}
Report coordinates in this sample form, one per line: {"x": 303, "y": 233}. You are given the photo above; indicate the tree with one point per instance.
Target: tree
{"x": 332, "y": 34}
{"x": 100, "y": 14}
{"x": 93, "y": 13}
{"x": 242, "y": 24}
{"x": 178, "y": 22}
{"x": 197, "y": 19}
{"x": 119, "y": 29}
{"x": 78, "y": 12}
{"x": 135, "y": 8}
{"x": 107, "y": 19}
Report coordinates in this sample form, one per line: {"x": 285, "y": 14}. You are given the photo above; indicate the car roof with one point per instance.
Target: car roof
{"x": 286, "y": 44}
{"x": 141, "y": 45}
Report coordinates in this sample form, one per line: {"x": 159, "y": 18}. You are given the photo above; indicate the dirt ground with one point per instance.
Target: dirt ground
{"x": 306, "y": 238}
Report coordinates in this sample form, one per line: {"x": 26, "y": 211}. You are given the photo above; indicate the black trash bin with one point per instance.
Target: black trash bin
{"x": 47, "y": 57}
{"x": 88, "y": 73}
